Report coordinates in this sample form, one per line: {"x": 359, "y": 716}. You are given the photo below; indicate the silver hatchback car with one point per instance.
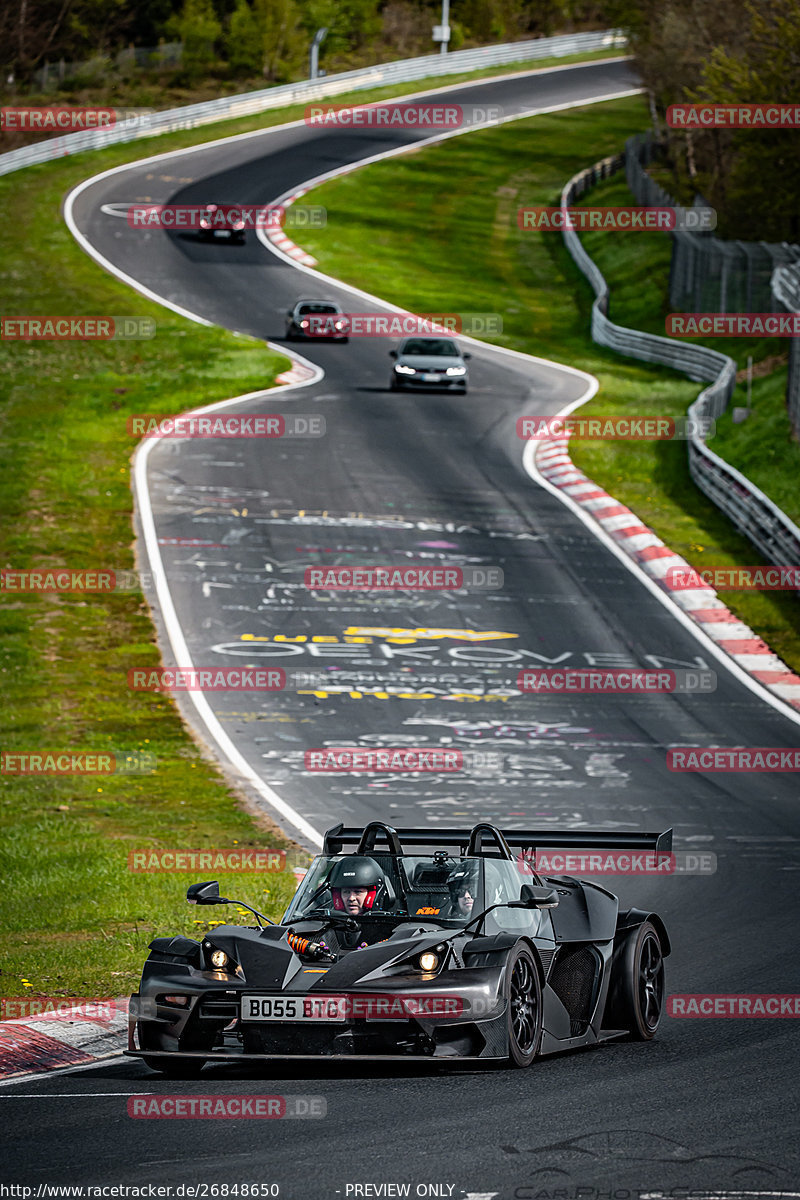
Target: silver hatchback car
{"x": 429, "y": 363}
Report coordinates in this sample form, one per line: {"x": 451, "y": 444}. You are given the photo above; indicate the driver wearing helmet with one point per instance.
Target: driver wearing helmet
{"x": 357, "y": 885}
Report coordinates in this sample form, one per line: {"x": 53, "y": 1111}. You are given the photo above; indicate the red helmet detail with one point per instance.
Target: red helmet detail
{"x": 338, "y": 903}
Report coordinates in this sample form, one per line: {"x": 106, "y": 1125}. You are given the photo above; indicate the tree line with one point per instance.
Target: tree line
{"x": 723, "y": 51}
{"x": 269, "y": 38}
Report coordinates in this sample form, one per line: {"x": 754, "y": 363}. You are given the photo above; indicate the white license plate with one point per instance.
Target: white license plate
{"x": 430, "y": 378}
{"x": 294, "y": 1008}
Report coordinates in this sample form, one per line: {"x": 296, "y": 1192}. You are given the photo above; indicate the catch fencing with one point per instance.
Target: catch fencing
{"x": 752, "y": 513}
{"x": 708, "y": 274}
{"x": 786, "y": 289}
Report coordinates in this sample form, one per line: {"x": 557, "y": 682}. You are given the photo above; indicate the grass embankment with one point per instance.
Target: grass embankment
{"x": 457, "y": 203}
{"x": 75, "y": 920}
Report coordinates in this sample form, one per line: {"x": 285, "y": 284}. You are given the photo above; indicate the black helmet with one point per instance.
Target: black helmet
{"x": 463, "y": 878}
{"x": 358, "y": 871}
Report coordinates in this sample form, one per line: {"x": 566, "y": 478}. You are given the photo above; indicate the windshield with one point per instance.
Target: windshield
{"x": 434, "y": 888}
{"x": 318, "y": 308}
{"x": 439, "y": 347}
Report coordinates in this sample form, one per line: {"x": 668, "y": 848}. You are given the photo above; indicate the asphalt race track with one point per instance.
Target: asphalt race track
{"x": 711, "y": 1104}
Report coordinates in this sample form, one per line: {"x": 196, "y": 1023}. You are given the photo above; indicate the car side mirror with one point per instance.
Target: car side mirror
{"x": 204, "y": 893}
{"x": 466, "y": 355}
{"x": 392, "y": 354}
{"x": 290, "y": 312}
{"x": 535, "y": 897}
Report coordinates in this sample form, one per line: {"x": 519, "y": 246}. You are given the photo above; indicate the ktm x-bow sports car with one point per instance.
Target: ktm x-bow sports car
{"x": 438, "y": 944}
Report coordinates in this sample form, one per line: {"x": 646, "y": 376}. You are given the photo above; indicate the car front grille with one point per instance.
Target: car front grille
{"x": 217, "y": 1009}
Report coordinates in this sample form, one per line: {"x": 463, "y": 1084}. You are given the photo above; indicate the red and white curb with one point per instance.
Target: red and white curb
{"x": 701, "y": 604}
{"x": 35, "y": 1045}
{"x": 296, "y": 374}
{"x": 278, "y": 238}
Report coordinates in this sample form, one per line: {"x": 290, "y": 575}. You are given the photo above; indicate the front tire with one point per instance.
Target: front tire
{"x": 152, "y": 1037}
{"x": 523, "y": 1007}
{"x": 636, "y": 994}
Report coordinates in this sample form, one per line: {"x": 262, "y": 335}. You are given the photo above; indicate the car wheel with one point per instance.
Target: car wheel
{"x": 524, "y": 1007}
{"x": 152, "y": 1037}
{"x": 394, "y": 386}
{"x": 636, "y": 992}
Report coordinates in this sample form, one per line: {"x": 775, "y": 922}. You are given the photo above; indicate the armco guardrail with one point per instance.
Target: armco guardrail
{"x": 248, "y": 103}
{"x": 786, "y": 289}
{"x": 753, "y": 513}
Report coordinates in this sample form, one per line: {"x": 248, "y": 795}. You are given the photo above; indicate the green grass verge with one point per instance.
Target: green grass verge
{"x": 75, "y": 921}
{"x": 456, "y": 203}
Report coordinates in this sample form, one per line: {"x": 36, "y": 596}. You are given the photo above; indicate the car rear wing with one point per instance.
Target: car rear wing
{"x": 471, "y": 842}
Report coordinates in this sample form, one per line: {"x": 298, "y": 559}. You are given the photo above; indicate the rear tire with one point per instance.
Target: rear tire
{"x": 524, "y": 1007}
{"x": 636, "y": 993}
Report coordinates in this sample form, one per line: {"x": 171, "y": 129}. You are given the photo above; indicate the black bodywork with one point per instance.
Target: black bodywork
{"x": 543, "y": 965}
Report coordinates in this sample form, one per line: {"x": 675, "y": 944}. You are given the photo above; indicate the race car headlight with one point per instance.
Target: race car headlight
{"x": 402, "y": 369}
{"x": 456, "y": 370}
{"x": 430, "y": 960}
{"x": 219, "y": 960}
{"x": 304, "y": 324}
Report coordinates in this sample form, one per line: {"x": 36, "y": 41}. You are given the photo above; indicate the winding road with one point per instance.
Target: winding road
{"x": 231, "y": 525}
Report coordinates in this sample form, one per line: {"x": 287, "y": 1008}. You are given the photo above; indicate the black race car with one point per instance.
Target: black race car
{"x": 437, "y": 944}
